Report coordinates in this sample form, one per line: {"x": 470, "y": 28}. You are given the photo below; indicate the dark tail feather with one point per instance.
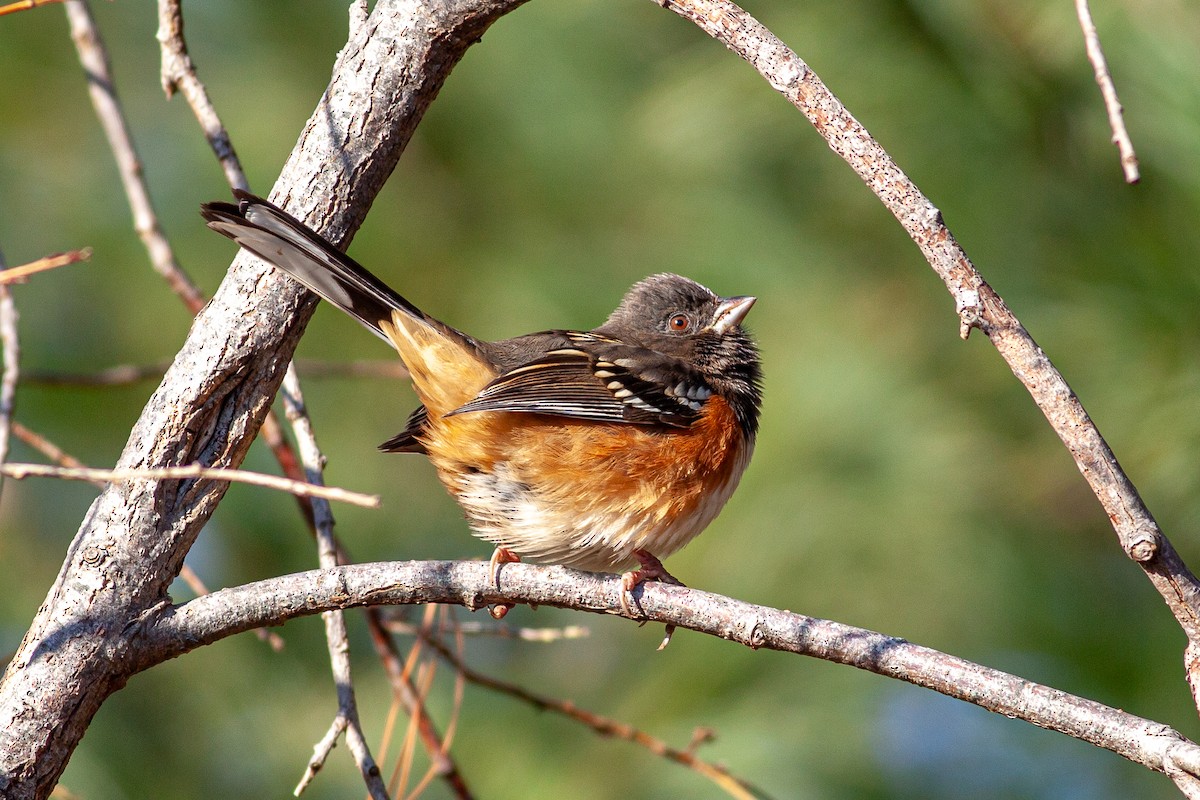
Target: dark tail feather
{"x": 283, "y": 241}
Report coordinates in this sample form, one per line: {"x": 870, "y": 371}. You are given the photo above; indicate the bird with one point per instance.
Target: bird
{"x": 604, "y": 450}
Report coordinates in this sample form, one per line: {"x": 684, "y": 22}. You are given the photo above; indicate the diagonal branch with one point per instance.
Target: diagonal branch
{"x": 335, "y": 622}
{"x": 178, "y": 73}
{"x": 214, "y": 397}
{"x": 1112, "y": 105}
{"x": 93, "y": 55}
{"x": 18, "y": 274}
{"x": 604, "y": 726}
{"x": 977, "y": 305}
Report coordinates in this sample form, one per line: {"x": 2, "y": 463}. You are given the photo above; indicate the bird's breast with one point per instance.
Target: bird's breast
{"x": 587, "y": 494}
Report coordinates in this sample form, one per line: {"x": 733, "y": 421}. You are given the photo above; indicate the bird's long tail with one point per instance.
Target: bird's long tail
{"x": 428, "y": 347}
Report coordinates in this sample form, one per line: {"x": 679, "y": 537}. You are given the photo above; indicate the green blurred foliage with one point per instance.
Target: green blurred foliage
{"x": 903, "y": 480}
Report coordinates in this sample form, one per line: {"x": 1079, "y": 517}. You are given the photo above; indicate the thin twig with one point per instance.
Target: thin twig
{"x": 24, "y": 5}
{"x": 47, "y": 448}
{"x": 603, "y": 726}
{"x": 63, "y": 459}
{"x": 124, "y": 374}
{"x": 406, "y": 692}
{"x": 977, "y": 304}
{"x": 1116, "y": 118}
{"x": 335, "y": 622}
{"x": 456, "y": 710}
{"x": 10, "y": 344}
{"x": 499, "y": 631}
{"x": 93, "y": 55}
{"x": 120, "y": 375}
{"x": 434, "y": 614}
{"x": 17, "y": 274}
{"x": 298, "y": 488}
{"x": 179, "y": 73}
{"x": 321, "y": 751}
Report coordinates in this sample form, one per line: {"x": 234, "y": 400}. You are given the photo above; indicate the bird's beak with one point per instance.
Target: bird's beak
{"x": 731, "y": 312}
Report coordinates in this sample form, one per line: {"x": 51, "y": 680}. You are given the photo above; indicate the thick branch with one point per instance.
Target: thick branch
{"x": 215, "y": 395}
{"x": 176, "y": 630}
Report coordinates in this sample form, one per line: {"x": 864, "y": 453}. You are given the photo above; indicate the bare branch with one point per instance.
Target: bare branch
{"x": 17, "y": 274}
{"x": 335, "y": 623}
{"x": 321, "y": 751}
{"x": 1184, "y": 777}
{"x": 605, "y": 726}
{"x": 24, "y": 5}
{"x": 64, "y": 459}
{"x": 499, "y": 630}
{"x": 196, "y": 584}
{"x": 178, "y": 629}
{"x": 93, "y": 55}
{"x": 410, "y": 698}
{"x": 48, "y": 448}
{"x": 120, "y": 375}
{"x": 976, "y": 303}
{"x": 123, "y": 374}
{"x": 1112, "y": 105}
{"x": 10, "y": 345}
{"x": 196, "y": 471}
{"x": 178, "y": 72}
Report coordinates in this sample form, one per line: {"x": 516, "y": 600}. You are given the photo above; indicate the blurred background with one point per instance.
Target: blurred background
{"x": 903, "y": 480}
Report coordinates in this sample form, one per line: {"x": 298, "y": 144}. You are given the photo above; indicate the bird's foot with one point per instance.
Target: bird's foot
{"x": 501, "y": 555}
{"x": 650, "y": 569}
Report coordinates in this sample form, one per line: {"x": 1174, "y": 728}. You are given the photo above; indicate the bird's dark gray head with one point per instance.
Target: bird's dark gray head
{"x": 678, "y": 317}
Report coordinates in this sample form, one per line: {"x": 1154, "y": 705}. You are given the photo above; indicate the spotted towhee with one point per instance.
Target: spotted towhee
{"x": 595, "y": 449}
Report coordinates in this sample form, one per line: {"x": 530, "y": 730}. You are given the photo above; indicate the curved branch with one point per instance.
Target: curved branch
{"x": 976, "y": 303}
{"x": 176, "y": 630}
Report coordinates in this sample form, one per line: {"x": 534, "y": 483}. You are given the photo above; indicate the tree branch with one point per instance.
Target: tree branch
{"x": 93, "y": 55}
{"x": 335, "y": 622}
{"x": 108, "y": 615}
{"x": 213, "y": 399}
{"x": 174, "y": 630}
{"x": 1112, "y": 105}
{"x": 179, "y": 73}
{"x": 977, "y": 305}
{"x": 604, "y": 726}
{"x": 19, "y": 274}
{"x": 92, "y": 475}
{"x": 10, "y": 348}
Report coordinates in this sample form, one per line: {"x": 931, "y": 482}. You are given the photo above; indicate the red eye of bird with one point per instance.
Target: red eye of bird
{"x": 679, "y": 322}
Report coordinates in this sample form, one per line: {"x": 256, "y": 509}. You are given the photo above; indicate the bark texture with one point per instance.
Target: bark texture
{"x": 212, "y": 400}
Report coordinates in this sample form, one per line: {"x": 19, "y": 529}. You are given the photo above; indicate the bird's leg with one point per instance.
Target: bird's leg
{"x": 501, "y": 555}
{"x": 651, "y": 569}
